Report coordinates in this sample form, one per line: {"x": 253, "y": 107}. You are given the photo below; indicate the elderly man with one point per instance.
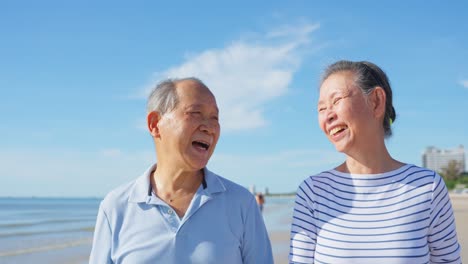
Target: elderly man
{"x": 178, "y": 211}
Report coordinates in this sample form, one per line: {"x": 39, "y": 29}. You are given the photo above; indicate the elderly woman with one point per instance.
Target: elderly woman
{"x": 371, "y": 208}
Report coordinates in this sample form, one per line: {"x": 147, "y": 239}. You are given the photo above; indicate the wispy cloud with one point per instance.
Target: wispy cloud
{"x": 464, "y": 83}
{"x": 248, "y": 73}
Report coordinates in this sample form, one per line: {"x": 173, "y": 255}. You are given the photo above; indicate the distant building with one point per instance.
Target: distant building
{"x": 436, "y": 159}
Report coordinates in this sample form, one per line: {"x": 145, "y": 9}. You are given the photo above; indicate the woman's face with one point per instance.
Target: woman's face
{"x": 344, "y": 113}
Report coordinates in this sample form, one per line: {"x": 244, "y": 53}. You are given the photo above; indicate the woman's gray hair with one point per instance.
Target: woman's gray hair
{"x": 164, "y": 97}
{"x": 367, "y": 77}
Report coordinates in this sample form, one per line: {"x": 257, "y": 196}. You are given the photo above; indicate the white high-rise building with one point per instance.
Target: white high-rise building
{"x": 436, "y": 159}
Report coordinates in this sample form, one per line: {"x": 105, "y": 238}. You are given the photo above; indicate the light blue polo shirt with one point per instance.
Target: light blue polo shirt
{"x": 222, "y": 225}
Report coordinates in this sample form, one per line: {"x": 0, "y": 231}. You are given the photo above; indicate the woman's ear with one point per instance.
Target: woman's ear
{"x": 379, "y": 99}
{"x": 152, "y": 120}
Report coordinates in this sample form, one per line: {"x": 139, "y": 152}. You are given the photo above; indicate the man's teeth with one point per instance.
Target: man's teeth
{"x": 202, "y": 144}
{"x": 336, "y": 130}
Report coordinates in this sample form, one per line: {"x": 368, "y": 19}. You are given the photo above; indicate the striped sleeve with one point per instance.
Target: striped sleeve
{"x": 442, "y": 238}
{"x": 303, "y": 229}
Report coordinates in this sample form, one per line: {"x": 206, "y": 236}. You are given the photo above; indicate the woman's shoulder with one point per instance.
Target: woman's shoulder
{"x": 310, "y": 181}
{"x": 411, "y": 169}
{"x": 323, "y": 175}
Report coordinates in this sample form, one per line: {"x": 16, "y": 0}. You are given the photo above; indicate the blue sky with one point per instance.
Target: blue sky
{"x": 74, "y": 77}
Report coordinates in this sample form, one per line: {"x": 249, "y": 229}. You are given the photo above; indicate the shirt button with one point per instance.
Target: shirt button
{"x": 170, "y": 211}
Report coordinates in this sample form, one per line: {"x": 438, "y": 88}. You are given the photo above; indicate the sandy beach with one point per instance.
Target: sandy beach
{"x": 460, "y": 206}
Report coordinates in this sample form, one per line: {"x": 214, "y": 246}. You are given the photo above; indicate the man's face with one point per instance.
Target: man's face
{"x": 189, "y": 133}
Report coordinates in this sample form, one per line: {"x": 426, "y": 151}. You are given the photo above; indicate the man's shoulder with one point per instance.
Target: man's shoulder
{"x": 232, "y": 188}
{"x": 119, "y": 196}
{"x": 135, "y": 190}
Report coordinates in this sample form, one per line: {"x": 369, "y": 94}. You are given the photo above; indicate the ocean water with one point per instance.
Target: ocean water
{"x": 45, "y": 230}
{"x": 60, "y": 230}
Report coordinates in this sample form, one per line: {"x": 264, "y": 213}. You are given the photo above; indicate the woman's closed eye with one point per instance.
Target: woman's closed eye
{"x": 337, "y": 100}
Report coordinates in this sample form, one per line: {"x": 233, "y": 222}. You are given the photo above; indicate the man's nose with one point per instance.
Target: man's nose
{"x": 209, "y": 126}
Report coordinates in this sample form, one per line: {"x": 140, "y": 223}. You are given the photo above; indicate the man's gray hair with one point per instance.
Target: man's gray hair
{"x": 164, "y": 97}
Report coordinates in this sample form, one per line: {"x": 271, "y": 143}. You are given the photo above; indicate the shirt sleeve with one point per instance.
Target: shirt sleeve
{"x": 102, "y": 241}
{"x": 256, "y": 246}
{"x": 442, "y": 238}
{"x": 303, "y": 229}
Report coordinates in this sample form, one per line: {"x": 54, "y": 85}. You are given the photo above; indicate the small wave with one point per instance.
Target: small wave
{"x": 46, "y": 248}
{"x": 33, "y": 233}
{"x": 45, "y": 222}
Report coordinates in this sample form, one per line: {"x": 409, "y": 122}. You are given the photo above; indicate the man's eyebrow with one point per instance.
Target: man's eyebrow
{"x": 193, "y": 106}
{"x": 198, "y": 106}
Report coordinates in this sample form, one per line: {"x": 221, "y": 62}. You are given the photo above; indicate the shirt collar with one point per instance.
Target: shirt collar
{"x": 139, "y": 191}
{"x": 213, "y": 182}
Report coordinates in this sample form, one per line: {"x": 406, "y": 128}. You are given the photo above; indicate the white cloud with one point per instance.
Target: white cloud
{"x": 247, "y": 74}
{"x": 300, "y": 33}
{"x": 464, "y": 83}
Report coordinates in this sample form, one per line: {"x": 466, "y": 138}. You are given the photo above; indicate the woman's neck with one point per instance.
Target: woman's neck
{"x": 374, "y": 160}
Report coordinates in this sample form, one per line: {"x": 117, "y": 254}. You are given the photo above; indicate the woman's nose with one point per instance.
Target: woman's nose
{"x": 331, "y": 115}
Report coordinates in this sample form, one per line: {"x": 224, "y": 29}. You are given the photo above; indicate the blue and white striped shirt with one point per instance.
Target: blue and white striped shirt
{"x": 402, "y": 216}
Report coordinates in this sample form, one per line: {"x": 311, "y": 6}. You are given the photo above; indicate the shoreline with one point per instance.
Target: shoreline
{"x": 277, "y": 215}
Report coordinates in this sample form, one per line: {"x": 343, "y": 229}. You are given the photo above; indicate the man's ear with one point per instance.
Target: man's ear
{"x": 152, "y": 120}
{"x": 379, "y": 99}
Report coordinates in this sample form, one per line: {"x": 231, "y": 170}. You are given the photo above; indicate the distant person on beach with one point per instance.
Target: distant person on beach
{"x": 371, "y": 208}
{"x": 260, "y": 200}
{"x": 178, "y": 211}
